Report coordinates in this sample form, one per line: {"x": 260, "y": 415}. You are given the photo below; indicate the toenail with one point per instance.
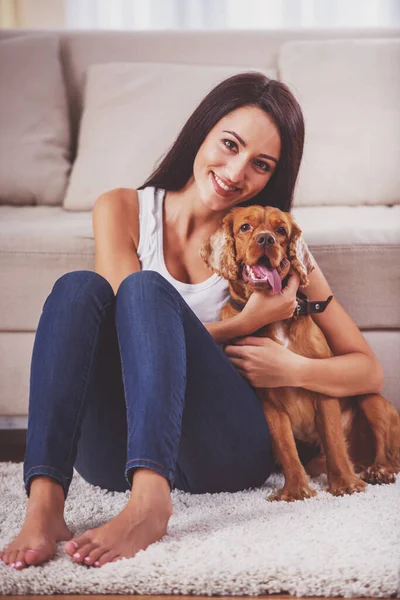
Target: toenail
{"x": 97, "y": 564}
{"x": 75, "y": 544}
{"x": 19, "y": 564}
{"x": 77, "y": 555}
{"x": 87, "y": 558}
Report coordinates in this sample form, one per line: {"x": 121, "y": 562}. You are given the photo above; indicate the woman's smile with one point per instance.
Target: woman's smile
{"x": 222, "y": 187}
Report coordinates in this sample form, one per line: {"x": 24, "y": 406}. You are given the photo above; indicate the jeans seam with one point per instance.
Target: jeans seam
{"x": 147, "y": 460}
{"x": 169, "y": 471}
{"x": 128, "y": 430}
{"x": 103, "y": 310}
{"x": 46, "y": 467}
{"x": 178, "y": 433}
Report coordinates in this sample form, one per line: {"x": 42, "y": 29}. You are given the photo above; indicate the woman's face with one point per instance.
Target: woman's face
{"x": 237, "y": 158}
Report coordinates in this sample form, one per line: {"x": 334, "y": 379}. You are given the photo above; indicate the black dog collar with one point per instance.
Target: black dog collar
{"x": 304, "y": 305}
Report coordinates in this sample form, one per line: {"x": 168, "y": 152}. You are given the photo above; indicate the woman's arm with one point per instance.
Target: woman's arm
{"x": 354, "y": 368}
{"x": 257, "y": 313}
{"x": 224, "y": 331}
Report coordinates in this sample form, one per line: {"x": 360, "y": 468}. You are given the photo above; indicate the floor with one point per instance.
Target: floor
{"x": 119, "y": 597}
{"x": 12, "y": 448}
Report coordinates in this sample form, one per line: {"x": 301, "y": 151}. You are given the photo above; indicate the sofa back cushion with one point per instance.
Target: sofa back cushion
{"x": 349, "y": 91}
{"x": 132, "y": 114}
{"x": 34, "y": 124}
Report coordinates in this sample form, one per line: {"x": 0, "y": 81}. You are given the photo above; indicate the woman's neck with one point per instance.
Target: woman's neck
{"x": 188, "y": 215}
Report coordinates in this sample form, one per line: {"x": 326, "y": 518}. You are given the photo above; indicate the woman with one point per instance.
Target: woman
{"x": 128, "y": 383}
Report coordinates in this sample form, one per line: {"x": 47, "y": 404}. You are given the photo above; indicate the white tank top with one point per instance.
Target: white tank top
{"x": 207, "y": 298}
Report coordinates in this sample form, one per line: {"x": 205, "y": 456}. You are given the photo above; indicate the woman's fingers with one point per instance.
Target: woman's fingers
{"x": 237, "y": 359}
{"x": 234, "y": 351}
{"x": 293, "y": 281}
{"x": 250, "y": 340}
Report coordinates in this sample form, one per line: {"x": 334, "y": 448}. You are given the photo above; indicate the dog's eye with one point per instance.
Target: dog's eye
{"x": 245, "y": 227}
{"x": 281, "y": 231}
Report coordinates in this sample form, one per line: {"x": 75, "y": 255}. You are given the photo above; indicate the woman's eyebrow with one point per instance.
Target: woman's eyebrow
{"x": 244, "y": 144}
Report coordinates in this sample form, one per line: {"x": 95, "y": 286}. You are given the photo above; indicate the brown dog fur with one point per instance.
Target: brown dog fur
{"x": 358, "y": 437}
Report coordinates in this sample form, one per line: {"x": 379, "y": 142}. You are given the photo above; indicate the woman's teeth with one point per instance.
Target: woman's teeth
{"x": 223, "y": 185}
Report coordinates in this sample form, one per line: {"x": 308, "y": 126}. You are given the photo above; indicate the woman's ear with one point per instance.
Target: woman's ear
{"x": 299, "y": 255}
{"x": 219, "y": 251}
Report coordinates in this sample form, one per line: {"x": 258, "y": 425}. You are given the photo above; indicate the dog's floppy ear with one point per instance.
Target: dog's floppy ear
{"x": 299, "y": 255}
{"x": 219, "y": 251}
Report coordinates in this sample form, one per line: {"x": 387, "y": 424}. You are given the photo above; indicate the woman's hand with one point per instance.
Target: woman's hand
{"x": 265, "y": 363}
{"x": 261, "y": 309}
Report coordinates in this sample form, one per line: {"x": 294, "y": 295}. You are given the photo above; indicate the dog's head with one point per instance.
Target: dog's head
{"x": 257, "y": 245}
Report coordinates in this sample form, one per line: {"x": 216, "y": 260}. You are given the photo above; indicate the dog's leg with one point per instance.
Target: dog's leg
{"x": 296, "y": 480}
{"x": 384, "y": 421}
{"x": 341, "y": 476}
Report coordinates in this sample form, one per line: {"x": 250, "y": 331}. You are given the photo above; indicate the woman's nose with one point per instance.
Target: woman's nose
{"x": 235, "y": 170}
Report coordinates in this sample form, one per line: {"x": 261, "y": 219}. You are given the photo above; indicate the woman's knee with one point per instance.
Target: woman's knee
{"x": 142, "y": 282}
{"x": 77, "y": 286}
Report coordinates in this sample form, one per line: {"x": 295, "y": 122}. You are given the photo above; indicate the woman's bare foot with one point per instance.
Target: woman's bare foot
{"x": 142, "y": 522}
{"x": 43, "y": 527}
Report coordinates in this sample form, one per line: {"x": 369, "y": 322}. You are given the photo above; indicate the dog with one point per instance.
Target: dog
{"x": 358, "y": 437}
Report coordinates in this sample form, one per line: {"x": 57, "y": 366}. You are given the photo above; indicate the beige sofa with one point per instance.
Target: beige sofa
{"x": 62, "y": 144}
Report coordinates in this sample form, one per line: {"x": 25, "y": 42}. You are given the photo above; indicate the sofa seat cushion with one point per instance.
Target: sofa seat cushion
{"x": 357, "y": 248}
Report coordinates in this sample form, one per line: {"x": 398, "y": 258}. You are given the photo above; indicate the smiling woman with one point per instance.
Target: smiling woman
{"x": 247, "y": 132}
{"x": 141, "y": 396}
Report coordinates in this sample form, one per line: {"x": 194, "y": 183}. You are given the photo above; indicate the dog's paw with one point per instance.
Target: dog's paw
{"x": 290, "y": 495}
{"x": 378, "y": 475}
{"x": 341, "y": 485}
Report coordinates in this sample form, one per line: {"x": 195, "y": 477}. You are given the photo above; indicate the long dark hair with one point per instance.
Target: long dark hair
{"x": 244, "y": 89}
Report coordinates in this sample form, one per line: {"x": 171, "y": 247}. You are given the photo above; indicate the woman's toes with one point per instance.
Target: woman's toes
{"x": 74, "y": 545}
{"x": 71, "y": 547}
{"x": 94, "y": 555}
{"x": 83, "y": 551}
{"x": 20, "y": 560}
{"x": 117, "y": 558}
{"x": 106, "y": 557}
{"x": 39, "y": 554}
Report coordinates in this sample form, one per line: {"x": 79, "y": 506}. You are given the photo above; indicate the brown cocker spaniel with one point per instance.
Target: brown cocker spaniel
{"x": 358, "y": 437}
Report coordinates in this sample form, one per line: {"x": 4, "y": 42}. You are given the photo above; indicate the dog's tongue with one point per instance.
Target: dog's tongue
{"x": 272, "y": 276}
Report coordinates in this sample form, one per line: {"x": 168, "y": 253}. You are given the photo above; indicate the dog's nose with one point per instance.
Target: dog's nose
{"x": 265, "y": 239}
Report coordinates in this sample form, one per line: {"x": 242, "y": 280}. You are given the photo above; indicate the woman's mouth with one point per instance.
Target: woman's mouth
{"x": 221, "y": 187}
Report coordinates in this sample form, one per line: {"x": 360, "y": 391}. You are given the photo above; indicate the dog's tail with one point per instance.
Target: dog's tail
{"x": 384, "y": 419}
{"x": 393, "y": 438}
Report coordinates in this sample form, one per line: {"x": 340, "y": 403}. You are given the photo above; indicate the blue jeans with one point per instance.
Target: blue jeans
{"x": 136, "y": 380}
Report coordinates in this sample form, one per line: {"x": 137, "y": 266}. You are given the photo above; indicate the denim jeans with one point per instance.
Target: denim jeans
{"x": 136, "y": 380}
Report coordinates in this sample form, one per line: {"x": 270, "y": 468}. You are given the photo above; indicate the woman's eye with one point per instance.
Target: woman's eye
{"x": 230, "y": 144}
{"x": 263, "y": 165}
{"x": 281, "y": 231}
{"x": 245, "y": 227}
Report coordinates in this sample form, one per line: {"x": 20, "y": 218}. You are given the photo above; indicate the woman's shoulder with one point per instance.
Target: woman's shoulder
{"x": 126, "y": 202}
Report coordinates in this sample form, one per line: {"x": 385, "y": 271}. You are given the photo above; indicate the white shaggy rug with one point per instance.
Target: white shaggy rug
{"x": 226, "y": 544}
